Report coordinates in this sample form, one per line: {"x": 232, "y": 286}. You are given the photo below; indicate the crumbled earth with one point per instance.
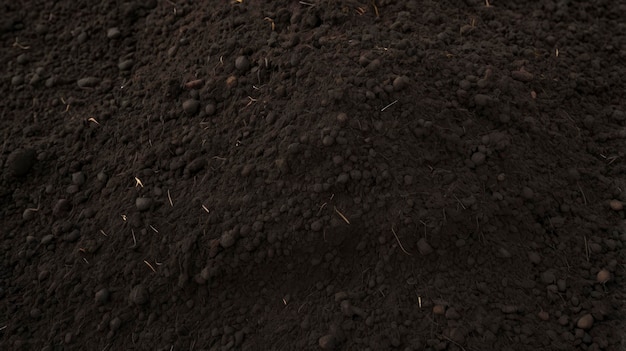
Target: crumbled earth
{"x": 306, "y": 175}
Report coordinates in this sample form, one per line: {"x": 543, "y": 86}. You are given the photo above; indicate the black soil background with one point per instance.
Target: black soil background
{"x": 304, "y": 175}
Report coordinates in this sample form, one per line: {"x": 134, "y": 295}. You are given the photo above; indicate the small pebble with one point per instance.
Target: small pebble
{"x": 242, "y": 63}
{"x": 191, "y": 106}
{"x": 328, "y": 342}
{"x": 113, "y": 33}
{"x": 125, "y": 65}
{"x": 316, "y": 226}
{"x": 143, "y": 203}
{"x": 616, "y": 205}
{"x": 228, "y": 239}
{"x": 47, "y": 239}
{"x": 400, "y": 83}
{"x": 543, "y": 315}
{"x": 603, "y": 276}
{"x": 439, "y": 310}
{"x": 61, "y": 208}
{"x": 28, "y": 214}
{"x": 478, "y": 158}
{"x": 78, "y": 178}
{"x": 88, "y": 82}
{"x": 585, "y": 322}
{"x": 522, "y": 76}
{"x": 17, "y": 80}
{"x": 115, "y": 323}
{"x": 342, "y": 118}
{"x": 424, "y": 247}
{"x": 102, "y": 296}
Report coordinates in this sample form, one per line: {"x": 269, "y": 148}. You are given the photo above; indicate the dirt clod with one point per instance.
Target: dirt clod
{"x": 21, "y": 161}
{"x": 138, "y": 295}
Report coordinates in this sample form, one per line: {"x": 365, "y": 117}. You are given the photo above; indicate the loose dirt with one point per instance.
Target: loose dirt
{"x": 305, "y": 175}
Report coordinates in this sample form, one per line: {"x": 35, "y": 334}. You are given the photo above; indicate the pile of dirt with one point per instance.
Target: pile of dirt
{"x": 305, "y": 175}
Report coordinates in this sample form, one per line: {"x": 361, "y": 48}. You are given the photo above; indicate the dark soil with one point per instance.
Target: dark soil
{"x": 304, "y": 175}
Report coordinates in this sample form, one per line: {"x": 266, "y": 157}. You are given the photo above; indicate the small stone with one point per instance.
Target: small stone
{"x": 343, "y": 178}
{"x": 72, "y": 236}
{"x": 125, "y": 65}
{"x": 603, "y": 276}
{"x": 22, "y": 59}
{"x": 139, "y": 295}
{"x": 328, "y": 342}
{"x": 88, "y": 82}
{"x": 400, "y": 83}
{"x": 102, "y": 295}
{"x": 78, "y": 178}
{"x": 228, "y": 239}
{"x": 210, "y": 109}
{"x": 346, "y": 308}
{"x": 194, "y": 84}
{"x": 439, "y": 310}
{"x": 424, "y": 247}
{"x": 28, "y": 214}
{"x": 191, "y": 106}
{"x": 585, "y": 322}
{"x": 522, "y": 76}
{"x": 21, "y": 161}
{"x": 17, "y": 80}
{"x": 143, "y": 203}
{"x": 47, "y": 239}
{"x": 115, "y": 323}
{"x": 113, "y": 33}
{"x": 242, "y": 63}
{"x": 342, "y": 118}
{"x": 231, "y": 82}
{"x": 102, "y": 177}
{"x": 35, "y": 313}
{"x": 316, "y": 226}
{"x": 543, "y": 315}
{"x": 616, "y": 205}
{"x": 61, "y": 208}
{"x": 478, "y": 158}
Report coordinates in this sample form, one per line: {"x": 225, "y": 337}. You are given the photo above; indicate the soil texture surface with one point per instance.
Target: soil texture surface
{"x": 313, "y": 175}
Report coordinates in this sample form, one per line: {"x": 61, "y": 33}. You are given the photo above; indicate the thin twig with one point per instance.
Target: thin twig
{"x": 399, "y": 243}
{"x": 388, "y": 106}
{"x": 342, "y": 216}
{"x": 169, "y": 197}
{"x": 149, "y": 265}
